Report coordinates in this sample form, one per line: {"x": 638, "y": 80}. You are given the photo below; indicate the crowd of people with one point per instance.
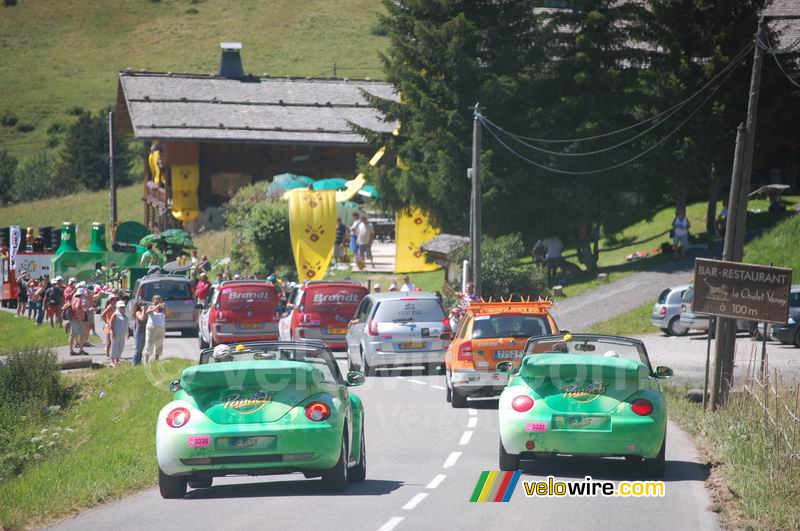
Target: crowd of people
{"x": 357, "y": 238}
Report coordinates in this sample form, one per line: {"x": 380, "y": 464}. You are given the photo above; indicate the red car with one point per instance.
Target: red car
{"x": 238, "y": 311}
{"x": 321, "y": 311}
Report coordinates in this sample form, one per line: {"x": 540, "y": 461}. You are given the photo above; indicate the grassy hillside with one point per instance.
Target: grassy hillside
{"x": 81, "y": 209}
{"x": 66, "y": 53}
{"x": 779, "y": 246}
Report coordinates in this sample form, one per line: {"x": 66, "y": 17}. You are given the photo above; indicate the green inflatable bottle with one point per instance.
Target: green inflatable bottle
{"x": 98, "y": 243}
{"x": 69, "y": 239}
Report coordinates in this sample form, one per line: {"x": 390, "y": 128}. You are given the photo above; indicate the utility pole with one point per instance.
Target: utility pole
{"x": 112, "y": 178}
{"x": 736, "y": 224}
{"x": 476, "y": 199}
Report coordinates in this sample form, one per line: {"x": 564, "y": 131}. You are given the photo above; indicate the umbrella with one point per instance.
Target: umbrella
{"x": 334, "y": 183}
{"x": 177, "y": 237}
{"x": 368, "y": 191}
{"x": 288, "y": 181}
{"x": 151, "y": 239}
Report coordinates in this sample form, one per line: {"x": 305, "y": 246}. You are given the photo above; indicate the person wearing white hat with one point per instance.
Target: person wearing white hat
{"x": 119, "y": 332}
{"x": 376, "y": 288}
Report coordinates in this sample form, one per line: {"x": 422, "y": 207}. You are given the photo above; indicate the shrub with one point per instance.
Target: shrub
{"x": 32, "y": 376}
{"x": 9, "y": 119}
{"x": 260, "y": 229}
{"x": 501, "y": 273}
{"x": 36, "y": 179}
{"x": 10, "y": 3}
{"x": 192, "y": 11}
{"x": 8, "y": 171}
{"x": 24, "y": 127}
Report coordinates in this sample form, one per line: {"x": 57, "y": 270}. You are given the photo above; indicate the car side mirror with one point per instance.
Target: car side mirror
{"x": 175, "y": 386}
{"x": 563, "y": 331}
{"x": 505, "y": 367}
{"x": 355, "y": 378}
{"x": 663, "y": 372}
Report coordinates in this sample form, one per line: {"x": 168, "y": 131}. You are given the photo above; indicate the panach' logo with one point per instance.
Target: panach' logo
{"x": 584, "y": 393}
{"x": 245, "y": 406}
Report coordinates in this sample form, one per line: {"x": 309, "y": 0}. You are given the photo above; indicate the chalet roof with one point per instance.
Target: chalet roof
{"x": 252, "y": 109}
{"x": 788, "y": 31}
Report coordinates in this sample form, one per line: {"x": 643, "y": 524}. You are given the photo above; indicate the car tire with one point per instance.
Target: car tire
{"x": 459, "y": 401}
{"x": 201, "y": 483}
{"x": 358, "y": 473}
{"x": 335, "y": 478}
{"x": 366, "y": 368}
{"x": 654, "y": 468}
{"x": 447, "y": 384}
{"x": 797, "y": 337}
{"x": 675, "y": 329}
{"x": 508, "y": 462}
{"x": 190, "y": 333}
{"x": 171, "y": 487}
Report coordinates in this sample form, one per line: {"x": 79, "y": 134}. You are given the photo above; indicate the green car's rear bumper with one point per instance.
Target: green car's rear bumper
{"x": 292, "y": 443}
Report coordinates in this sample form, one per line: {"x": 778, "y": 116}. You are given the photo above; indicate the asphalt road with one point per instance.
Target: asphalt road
{"x": 424, "y": 459}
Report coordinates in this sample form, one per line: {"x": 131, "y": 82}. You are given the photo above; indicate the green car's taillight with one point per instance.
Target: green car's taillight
{"x": 522, "y": 403}
{"x": 642, "y": 407}
{"x": 318, "y": 411}
{"x": 178, "y": 417}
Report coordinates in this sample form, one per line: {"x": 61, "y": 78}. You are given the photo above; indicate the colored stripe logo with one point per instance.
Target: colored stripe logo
{"x": 495, "y": 486}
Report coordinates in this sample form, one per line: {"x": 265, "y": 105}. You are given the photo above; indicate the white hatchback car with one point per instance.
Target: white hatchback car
{"x": 398, "y": 329}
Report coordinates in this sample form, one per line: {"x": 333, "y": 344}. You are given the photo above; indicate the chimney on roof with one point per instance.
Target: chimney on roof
{"x": 230, "y": 65}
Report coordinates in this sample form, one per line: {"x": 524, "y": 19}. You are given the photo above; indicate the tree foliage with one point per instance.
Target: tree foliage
{"x": 8, "y": 169}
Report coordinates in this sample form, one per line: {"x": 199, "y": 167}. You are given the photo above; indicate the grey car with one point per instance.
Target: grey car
{"x": 398, "y": 329}
{"x": 694, "y": 321}
{"x": 178, "y": 295}
{"x": 667, "y": 311}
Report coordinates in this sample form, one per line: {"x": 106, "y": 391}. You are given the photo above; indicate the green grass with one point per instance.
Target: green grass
{"x": 81, "y": 209}
{"x": 761, "y": 488}
{"x": 20, "y": 333}
{"x": 58, "y": 55}
{"x": 110, "y": 453}
{"x": 633, "y": 323}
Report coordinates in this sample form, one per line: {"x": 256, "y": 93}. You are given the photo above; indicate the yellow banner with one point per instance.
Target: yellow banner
{"x": 411, "y": 231}
{"x": 185, "y": 183}
{"x": 312, "y": 225}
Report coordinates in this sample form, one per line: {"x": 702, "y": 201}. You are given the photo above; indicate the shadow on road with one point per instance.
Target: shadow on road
{"x": 483, "y": 403}
{"x": 300, "y": 487}
{"x": 610, "y": 469}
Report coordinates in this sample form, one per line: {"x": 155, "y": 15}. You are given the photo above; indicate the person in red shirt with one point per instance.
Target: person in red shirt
{"x": 201, "y": 290}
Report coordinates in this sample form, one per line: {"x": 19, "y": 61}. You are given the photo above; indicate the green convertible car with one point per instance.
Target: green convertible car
{"x": 258, "y": 409}
{"x": 584, "y": 395}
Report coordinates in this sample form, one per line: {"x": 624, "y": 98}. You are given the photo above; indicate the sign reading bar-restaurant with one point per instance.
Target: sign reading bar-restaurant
{"x": 741, "y": 291}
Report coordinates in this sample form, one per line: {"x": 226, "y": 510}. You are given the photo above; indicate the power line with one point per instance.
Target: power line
{"x": 766, "y": 46}
{"x": 677, "y": 108}
{"x": 618, "y": 165}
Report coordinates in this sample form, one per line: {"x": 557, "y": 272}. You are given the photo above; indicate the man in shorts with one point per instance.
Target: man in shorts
{"x": 77, "y": 323}
{"x": 338, "y": 248}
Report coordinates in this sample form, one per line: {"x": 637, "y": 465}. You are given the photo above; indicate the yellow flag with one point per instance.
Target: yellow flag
{"x": 412, "y": 230}
{"x": 185, "y": 182}
{"x": 312, "y": 225}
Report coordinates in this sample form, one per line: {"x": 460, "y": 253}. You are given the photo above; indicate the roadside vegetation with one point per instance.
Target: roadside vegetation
{"x": 633, "y": 323}
{"x": 103, "y": 443}
{"x": 20, "y": 333}
{"x": 761, "y": 488}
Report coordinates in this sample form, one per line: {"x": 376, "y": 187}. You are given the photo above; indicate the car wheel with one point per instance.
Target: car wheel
{"x": 335, "y": 478}
{"x": 201, "y": 483}
{"x": 358, "y": 473}
{"x": 365, "y": 367}
{"x": 171, "y": 487}
{"x": 664, "y": 330}
{"x": 654, "y": 468}
{"x": 797, "y": 337}
{"x": 675, "y": 328}
{"x": 458, "y": 400}
{"x": 508, "y": 462}
{"x": 189, "y": 333}
{"x": 447, "y": 384}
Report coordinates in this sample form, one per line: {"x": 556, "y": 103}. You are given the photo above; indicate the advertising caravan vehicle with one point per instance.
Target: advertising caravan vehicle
{"x": 239, "y": 310}
{"x": 322, "y": 312}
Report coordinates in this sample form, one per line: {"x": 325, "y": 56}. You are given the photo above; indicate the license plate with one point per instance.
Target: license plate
{"x": 507, "y": 354}
{"x": 337, "y": 331}
{"x": 412, "y": 345}
{"x": 581, "y": 422}
{"x": 249, "y": 326}
{"x": 269, "y": 442}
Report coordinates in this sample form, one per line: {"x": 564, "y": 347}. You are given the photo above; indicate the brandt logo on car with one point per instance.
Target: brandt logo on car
{"x": 322, "y": 298}
{"x": 248, "y": 295}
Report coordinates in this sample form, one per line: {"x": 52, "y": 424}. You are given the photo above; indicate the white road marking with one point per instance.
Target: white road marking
{"x": 472, "y": 422}
{"x": 451, "y": 460}
{"x": 413, "y": 502}
{"x": 473, "y": 411}
{"x": 439, "y": 387}
{"x": 401, "y": 378}
{"x": 436, "y": 481}
{"x": 391, "y": 524}
{"x": 465, "y": 437}
{"x": 417, "y": 382}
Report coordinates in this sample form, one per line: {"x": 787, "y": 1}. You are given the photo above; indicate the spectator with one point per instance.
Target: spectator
{"x": 69, "y": 291}
{"x": 32, "y": 284}
{"x": 87, "y": 301}
{"x": 393, "y": 286}
{"x": 76, "y": 322}
{"x": 118, "y": 325}
{"x": 22, "y": 294}
{"x": 553, "y": 256}
{"x": 376, "y": 288}
{"x": 201, "y": 290}
{"x": 139, "y": 330}
{"x": 338, "y": 242}
{"x": 364, "y": 238}
{"x": 722, "y": 219}
{"x": 354, "y": 235}
{"x": 680, "y": 233}
{"x": 156, "y": 329}
{"x": 54, "y": 298}
{"x": 106, "y": 316}
{"x": 407, "y": 286}
{"x": 149, "y": 258}
{"x": 203, "y": 266}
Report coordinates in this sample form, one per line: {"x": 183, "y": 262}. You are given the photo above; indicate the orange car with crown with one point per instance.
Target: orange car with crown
{"x": 489, "y": 333}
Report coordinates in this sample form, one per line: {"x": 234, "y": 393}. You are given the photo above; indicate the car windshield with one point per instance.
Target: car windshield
{"x": 169, "y": 291}
{"x": 591, "y": 345}
{"x": 319, "y": 357}
{"x": 794, "y": 299}
{"x": 663, "y": 297}
{"x": 509, "y": 325}
{"x": 687, "y": 297}
{"x": 254, "y": 296}
{"x": 409, "y": 310}
{"x": 343, "y": 300}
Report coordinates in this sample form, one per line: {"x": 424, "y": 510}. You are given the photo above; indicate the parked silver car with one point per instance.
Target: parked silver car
{"x": 667, "y": 311}
{"x": 693, "y": 321}
{"x": 182, "y": 311}
{"x": 397, "y": 329}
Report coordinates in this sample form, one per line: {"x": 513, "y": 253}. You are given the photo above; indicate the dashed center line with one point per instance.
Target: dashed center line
{"x": 451, "y": 460}
{"x": 417, "y": 382}
{"x": 472, "y": 422}
{"x": 436, "y": 481}
{"x": 465, "y": 437}
{"x": 413, "y": 502}
{"x": 439, "y": 387}
{"x": 391, "y": 524}
{"x": 473, "y": 412}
